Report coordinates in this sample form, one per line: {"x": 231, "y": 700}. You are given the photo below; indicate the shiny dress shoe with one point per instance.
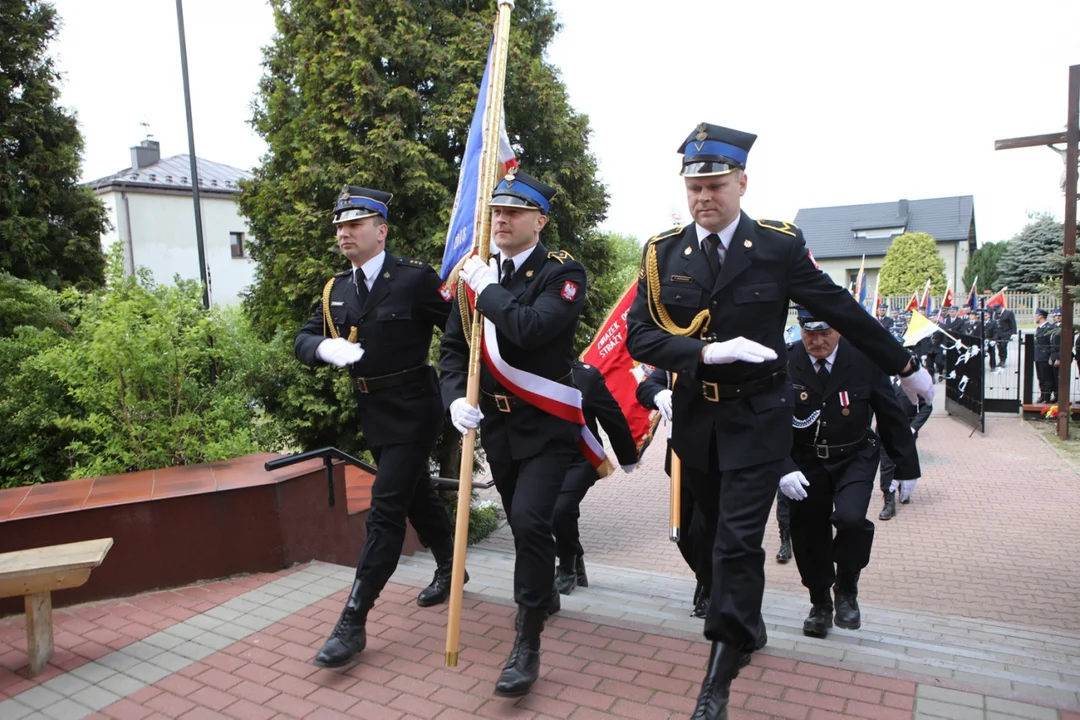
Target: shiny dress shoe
{"x": 349, "y": 637}
{"x": 566, "y": 576}
{"x": 784, "y": 553}
{"x": 818, "y": 622}
{"x": 439, "y": 589}
{"x": 523, "y": 666}
{"x": 701, "y": 607}
{"x": 582, "y": 578}
{"x": 716, "y": 687}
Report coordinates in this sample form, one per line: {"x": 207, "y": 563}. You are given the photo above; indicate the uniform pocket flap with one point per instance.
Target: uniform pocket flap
{"x": 680, "y": 295}
{"x": 393, "y": 312}
{"x": 782, "y": 398}
{"x": 759, "y": 292}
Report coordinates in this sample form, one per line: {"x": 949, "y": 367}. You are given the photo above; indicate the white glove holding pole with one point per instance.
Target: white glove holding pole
{"x": 464, "y": 416}
{"x": 737, "y": 350}
{"x": 918, "y": 385}
{"x": 478, "y": 275}
{"x": 794, "y": 485}
{"x": 339, "y": 352}
{"x": 663, "y": 404}
{"x": 906, "y": 488}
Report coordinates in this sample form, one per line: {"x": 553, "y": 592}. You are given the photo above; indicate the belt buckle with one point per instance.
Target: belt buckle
{"x": 361, "y": 385}
{"x": 706, "y": 387}
{"x": 819, "y": 449}
{"x": 502, "y": 402}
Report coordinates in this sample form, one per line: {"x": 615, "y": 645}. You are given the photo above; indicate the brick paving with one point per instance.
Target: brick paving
{"x": 988, "y": 533}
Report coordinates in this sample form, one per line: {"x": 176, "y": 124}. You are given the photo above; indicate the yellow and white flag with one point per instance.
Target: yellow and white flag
{"x": 919, "y": 327}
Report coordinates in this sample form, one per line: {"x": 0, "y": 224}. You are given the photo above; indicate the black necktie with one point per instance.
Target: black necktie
{"x": 823, "y": 371}
{"x": 507, "y": 272}
{"x": 361, "y": 285}
{"x": 712, "y": 254}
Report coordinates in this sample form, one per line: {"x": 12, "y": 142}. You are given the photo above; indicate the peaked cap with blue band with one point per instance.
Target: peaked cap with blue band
{"x": 808, "y": 322}
{"x": 524, "y": 191}
{"x": 357, "y": 203}
{"x": 715, "y": 150}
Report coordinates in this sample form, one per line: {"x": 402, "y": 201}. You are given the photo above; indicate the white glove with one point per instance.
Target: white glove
{"x": 464, "y": 416}
{"x": 906, "y": 488}
{"x": 628, "y": 468}
{"x": 736, "y": 349}
{"x": 478, "y": 275}
{"x": 663, "y": 404}
{"x": 339, "y": 351}
{"x": 918, "y": 385}
{"x": 793, "y": 485}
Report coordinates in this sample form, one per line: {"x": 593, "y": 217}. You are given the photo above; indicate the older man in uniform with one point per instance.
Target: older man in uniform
{"x": 838, "y": 393}
{"x": 532, "y": 304}
{"x": 712, "y": 302}
{"x": 376, "y": 319}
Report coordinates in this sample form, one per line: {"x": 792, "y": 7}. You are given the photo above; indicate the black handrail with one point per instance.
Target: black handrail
{"x": 329, "y": 454}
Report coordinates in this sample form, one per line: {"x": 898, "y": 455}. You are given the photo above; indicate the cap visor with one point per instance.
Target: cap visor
{"x": 705, "y": 169}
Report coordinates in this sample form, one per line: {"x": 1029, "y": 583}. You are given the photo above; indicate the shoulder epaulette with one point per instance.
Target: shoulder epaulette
{"x": 560, "y": 255}
{"x": 411, "y": 262}
{"x": 677, "y": 230}
{"x": 781, "y": 226}
{"x": 344, "y": 273}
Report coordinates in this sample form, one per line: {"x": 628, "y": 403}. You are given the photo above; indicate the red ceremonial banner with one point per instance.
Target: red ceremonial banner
{"x": 622, "y": 373}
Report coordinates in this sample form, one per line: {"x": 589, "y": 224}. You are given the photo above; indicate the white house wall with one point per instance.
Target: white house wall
{"x": 954, "y": 254}
{"x": 163, "y": 239}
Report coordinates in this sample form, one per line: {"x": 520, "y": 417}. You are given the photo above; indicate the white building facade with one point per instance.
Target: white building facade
{"x": 152, "y": 214}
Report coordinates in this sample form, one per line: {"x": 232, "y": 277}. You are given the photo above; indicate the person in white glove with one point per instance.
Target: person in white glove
{"x": 531, "y": 307}
{"x": 839, "y": 392}
{"x": 376, "y": 319}
{"x": 917, "y": 416}
{"x": 464, "y": 416}
{"x": 662, "y": 400}
{"x": 599, "y": 406}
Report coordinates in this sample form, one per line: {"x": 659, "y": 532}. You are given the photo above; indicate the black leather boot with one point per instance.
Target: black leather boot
{"x": 439, "y": 589}
{"x": 555, "y": 603}
{"x": 716, "y": 688}
{"x": 784, "y": 553}
{"x": 889, "y": 511}
{"x": 818, "y": 622}
{"x": 348, "y": 638}
{"x": 847, "y": 606}
{"x": 566, "y": 575}
{"x": 523, "y": 666}
{"x": 582, "y": 578}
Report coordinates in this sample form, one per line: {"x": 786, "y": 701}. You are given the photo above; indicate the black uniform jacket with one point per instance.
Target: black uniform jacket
{"x": 599, "y": 404}
{"x": 535, "y": 318}
{"x": 766, "y": 264}
{"x": 869, "y": 394}
{"x": 394, "y": 328}
{"x": 1006, "y": 325}
{"x": 1044, "y": 342}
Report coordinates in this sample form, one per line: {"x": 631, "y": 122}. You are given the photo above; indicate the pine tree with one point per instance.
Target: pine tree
{"x": 984, "y": 266}
{"x": 380, "y": 93}
{"x": 1035, "y": 255}
{"x": 911, "y": 259}
{"x": 50, "y": 227}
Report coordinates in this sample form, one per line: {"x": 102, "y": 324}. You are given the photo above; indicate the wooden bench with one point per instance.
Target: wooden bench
{"x": 34, "y": 574}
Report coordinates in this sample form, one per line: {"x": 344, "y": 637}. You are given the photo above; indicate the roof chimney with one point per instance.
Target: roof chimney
{"x": 902, "y": 209}
{"x": 145, "y": 153}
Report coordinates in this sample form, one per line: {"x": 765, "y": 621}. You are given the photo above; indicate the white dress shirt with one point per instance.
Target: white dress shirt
{"x": 726, "y": 236}
{"x": 518, "y": 260}
{"x": 371, "y": 269}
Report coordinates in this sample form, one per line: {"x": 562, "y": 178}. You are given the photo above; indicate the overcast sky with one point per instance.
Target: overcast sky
{"x": 852, "y": 102}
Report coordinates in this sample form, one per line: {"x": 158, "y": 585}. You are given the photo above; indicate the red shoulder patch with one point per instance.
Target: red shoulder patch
{"x": 569, "y": 291}
{"x": 446, "y": 291}
{"x": 811, "y": 256}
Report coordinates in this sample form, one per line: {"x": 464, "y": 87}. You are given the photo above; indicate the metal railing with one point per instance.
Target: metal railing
{"x": 329, "y": 454}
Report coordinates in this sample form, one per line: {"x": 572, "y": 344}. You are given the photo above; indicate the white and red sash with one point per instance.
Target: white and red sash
{"x": 554, "y": 398}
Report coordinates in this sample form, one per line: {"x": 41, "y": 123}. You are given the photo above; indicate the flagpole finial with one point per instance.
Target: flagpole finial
{"x": 507, "y": 2}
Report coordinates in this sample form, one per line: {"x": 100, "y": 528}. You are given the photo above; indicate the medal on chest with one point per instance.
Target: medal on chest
{"x": 845, "y": 403}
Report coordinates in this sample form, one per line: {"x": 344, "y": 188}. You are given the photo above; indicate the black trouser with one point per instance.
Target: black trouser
{"x": 838, "y": 495}
{"x": 991, "y": 353}
{"x": 888, "y": 472}
{"x": 1045, "y": 372}
{"x": 1003, "y": 351}
{"x": 402, "y": 488}
{"x": 694, "y": 552}
{"x": 580, "y": 476}
{"x": 529, "y": 489}
{"x": 783, "y": 511}
{"x": 742, "y": 499}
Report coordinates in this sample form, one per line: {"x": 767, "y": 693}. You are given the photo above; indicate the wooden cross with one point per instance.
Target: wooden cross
{"x": 1071, "y": 138}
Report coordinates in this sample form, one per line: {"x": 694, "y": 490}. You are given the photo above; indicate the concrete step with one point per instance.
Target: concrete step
{"x": 1025, "y": 661}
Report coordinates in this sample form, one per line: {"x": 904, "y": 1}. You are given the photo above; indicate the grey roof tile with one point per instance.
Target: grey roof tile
{"x": 173, "y": 172}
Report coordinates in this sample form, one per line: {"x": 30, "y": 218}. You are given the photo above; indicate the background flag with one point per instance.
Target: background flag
{"x": 920, "y": 327}
{"x": 971, "y": 303}
{"x": 459, "y": 238}
{"x": 998, "y": 299}
{"x": 860, "y": 283}
{"x": 913, "y": 303}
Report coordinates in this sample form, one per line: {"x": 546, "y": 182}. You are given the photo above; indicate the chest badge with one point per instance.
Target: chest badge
{"x": 688, "y": 250}
{"x": 748, "y": 244}
{"x": 337, "y": 303}
{"x": 804, "y": 396}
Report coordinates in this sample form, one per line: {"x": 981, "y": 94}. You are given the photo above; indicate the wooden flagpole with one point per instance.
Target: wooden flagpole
{"x": 676, "y": 484}
{"x": 489, "y": 163}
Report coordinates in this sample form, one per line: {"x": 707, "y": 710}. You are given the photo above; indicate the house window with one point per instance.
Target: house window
{"x": 878, "y": 233}
{"x": 236, "y": 244}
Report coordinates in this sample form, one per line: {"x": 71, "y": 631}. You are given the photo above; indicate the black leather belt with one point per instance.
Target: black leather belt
{"x": 715, "y": 392}
{"x": 383, "y": 382}
{"x": 825, "y": 451}
{"x": 506, "y": 402}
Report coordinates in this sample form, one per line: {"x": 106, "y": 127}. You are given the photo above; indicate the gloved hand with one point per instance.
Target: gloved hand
{"x": 478, "y": 275}
{"x": 663, "y": 404}
{"x": 906, "y": 488}
{"x": 629, "y": 468}
{"x": 736, "y": 349}
{"x": 918, "y": 385}
{"x": 339, "y": 352}
{"x": 464, "y": 416}
{"x": 793, "y": 485}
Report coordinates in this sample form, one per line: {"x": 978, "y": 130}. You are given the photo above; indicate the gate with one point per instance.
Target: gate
{"x": 965, "y": 373}
{"x": 1002, "y": 383}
